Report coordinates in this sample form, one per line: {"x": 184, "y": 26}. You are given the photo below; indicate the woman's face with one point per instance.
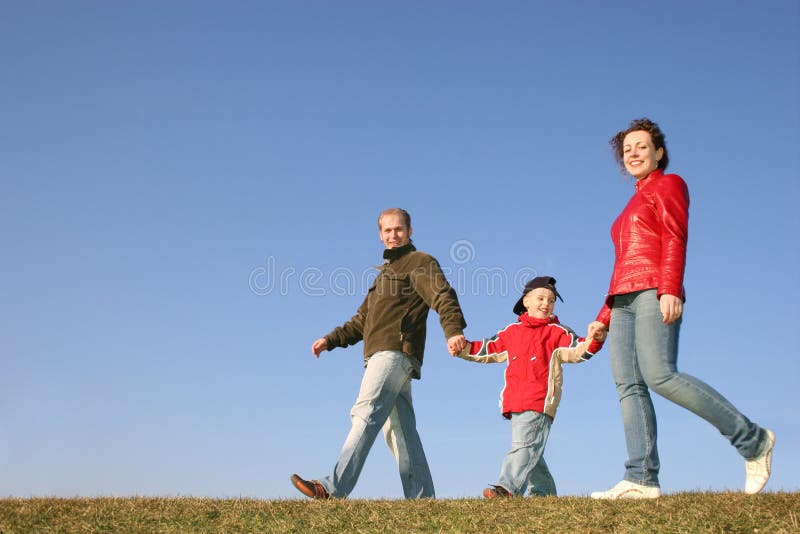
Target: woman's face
{"x": 639, "y": 154}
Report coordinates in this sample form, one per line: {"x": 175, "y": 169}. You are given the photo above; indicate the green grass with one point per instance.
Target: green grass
{"x": 684, "y": 512}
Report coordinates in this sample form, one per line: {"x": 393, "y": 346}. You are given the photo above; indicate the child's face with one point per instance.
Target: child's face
{"x": 540, "y": 303}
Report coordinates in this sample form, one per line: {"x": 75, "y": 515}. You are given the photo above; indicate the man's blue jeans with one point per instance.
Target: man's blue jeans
{"x": 384, "y": 401}
{"x": 524, "y": 470}
{"x": 644, "y": 355}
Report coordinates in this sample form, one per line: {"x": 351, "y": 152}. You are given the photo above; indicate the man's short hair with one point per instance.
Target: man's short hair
{"x": 395, "y": 211}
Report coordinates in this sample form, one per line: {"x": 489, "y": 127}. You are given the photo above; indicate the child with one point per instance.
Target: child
{"x": 534, "y": 348}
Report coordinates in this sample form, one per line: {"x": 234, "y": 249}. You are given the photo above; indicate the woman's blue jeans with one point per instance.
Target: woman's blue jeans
{"x": 384, "y": 401}
{"x": 644, "y": 355}
{"x": 524, "y": 470}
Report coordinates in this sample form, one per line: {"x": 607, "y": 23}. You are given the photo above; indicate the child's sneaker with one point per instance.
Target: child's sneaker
{"x": 628, "y": 490}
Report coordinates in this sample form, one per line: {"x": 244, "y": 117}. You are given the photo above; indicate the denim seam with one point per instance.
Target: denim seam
{"x": 643, "y": 409}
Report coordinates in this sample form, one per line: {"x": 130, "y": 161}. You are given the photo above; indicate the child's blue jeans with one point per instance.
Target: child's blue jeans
{"x": 524, "y": 471}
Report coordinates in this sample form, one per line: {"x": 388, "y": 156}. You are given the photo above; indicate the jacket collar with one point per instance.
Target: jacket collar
{"x": 533, "y": 322}
{"x": 649, "y": 179}
{"x": 391, "y": 254}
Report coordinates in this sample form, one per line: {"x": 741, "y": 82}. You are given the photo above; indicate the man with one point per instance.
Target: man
{"x": 391, "y": 321}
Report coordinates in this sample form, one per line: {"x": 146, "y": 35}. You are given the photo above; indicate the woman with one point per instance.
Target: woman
{"x": 642, "y": 314}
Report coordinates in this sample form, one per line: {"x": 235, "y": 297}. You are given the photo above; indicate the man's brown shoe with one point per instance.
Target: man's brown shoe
{"x": 310, "y": 488}
{"x": 494, "y": 492}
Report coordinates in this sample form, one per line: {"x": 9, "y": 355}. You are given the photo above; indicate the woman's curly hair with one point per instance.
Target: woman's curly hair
{"x": 644, "y": 125}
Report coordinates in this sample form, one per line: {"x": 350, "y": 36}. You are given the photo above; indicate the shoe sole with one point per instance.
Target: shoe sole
{"x": 300, "y": 484}
{"x": 630, "y": 494}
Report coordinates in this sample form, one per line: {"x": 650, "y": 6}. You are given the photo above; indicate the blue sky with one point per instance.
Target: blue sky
{"x": 189, "y": 196}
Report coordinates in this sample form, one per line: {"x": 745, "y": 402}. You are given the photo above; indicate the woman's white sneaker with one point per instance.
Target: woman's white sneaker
{"x": 758, "y": 469}
{"x": 628, "y": 490}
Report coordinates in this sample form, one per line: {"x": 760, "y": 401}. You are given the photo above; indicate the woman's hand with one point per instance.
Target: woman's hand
{"x": 671, "y": 308}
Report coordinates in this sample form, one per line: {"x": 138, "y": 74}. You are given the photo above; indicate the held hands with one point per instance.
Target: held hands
{"x": 456, "y": 344}
{"x": 318, "y": 346}
{"x": 597, "y": 330}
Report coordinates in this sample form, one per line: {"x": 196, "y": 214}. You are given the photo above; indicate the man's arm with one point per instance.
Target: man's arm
{"x": 431, "y": 285}
{"x": 349, "y": 333}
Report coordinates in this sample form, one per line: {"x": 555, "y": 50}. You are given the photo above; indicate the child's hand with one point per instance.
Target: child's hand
{"x": 597, "y": 330}
{"x": 600, "y": 336}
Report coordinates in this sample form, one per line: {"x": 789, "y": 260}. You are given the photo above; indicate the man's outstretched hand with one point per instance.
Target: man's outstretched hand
{"x": 318, "y": 346}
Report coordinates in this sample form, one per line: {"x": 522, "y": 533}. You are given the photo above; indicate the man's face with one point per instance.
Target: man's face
{"x": 539, "y": 303}
{"x": 394, "y": 232}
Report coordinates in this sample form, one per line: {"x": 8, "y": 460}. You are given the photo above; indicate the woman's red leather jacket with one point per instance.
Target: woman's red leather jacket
{"x": 650, "y": 240}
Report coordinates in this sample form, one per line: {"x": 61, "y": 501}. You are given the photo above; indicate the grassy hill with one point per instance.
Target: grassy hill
{"x": 683, "y": 512}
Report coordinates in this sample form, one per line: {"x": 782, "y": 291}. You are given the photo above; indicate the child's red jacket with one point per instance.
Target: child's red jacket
{"x": 534, "y": 350}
